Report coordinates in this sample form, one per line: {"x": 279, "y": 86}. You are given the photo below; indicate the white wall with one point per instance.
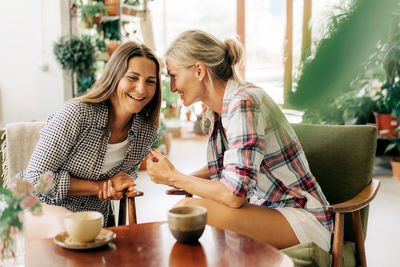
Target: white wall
{"x": 28, "y": 30}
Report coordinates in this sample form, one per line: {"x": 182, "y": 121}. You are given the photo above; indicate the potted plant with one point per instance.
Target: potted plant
{"x": 386, "y": 107}
{"x": 111, "y": 46}
{"x": 77, "y": 55}
{"x": 356, "y": 107}
{"x": 113, "y": 7}
{"x": 388, "y": 99}
{"x": 92, "y": 12}
{"x": 340, "y": 57}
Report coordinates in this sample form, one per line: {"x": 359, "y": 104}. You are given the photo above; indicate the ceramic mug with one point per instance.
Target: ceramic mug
{"x": 187, "y": 223}
{"x": 84, "y": 226}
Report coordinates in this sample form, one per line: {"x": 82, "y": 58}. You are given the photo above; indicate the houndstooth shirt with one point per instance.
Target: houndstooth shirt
{"x": 261, "y": 154}
{"x": 73, "y": 143}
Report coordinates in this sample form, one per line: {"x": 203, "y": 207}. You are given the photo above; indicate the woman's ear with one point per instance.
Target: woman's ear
{"x": 200, "y": 70}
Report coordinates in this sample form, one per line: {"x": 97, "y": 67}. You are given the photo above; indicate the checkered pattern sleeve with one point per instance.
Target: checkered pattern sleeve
{"x": 57, "y": 138}
{"x": 244, "y": 126}
{"x": 134, "y": 170}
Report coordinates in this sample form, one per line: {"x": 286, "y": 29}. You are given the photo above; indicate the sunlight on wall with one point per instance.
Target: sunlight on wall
{"x": 30, "y": 79}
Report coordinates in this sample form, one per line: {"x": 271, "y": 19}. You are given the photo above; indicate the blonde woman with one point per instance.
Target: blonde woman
{"x": 252, "y": 151}
{"x": 95, "y": 143}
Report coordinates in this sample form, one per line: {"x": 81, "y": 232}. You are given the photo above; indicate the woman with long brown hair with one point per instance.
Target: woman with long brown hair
{"x": 95, "y": 143}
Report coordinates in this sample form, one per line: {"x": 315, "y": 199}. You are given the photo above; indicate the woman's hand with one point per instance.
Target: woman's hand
{"x": 114, "y": 188}
{"x": 108, "y": 192}
{"x": 122, "y": 181}
{"x": 160, "y": 169}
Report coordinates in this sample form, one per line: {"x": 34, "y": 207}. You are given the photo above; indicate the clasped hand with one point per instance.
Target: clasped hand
{"x": 115, "y": 187}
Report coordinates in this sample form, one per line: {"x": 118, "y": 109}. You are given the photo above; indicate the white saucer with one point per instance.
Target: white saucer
{"x": 64, "y": 240}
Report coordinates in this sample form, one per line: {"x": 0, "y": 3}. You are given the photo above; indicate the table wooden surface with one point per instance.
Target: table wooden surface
{"x": 152, "y": 244}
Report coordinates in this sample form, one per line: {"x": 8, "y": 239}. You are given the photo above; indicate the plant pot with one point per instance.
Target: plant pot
{"x": 395, "y": 163}
{"x": 112, "y": 47}
{"x": 188, "y": 114}
{"x": 113, "y": 7}
{"x": 172, "y": 113}
{"x": 96, "y": 20}
{"x": 90, "y": 22}
{"x": 386, "y": 123}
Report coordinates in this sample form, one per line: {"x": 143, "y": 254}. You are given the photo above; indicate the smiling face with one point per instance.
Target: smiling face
{"x": 136, "y": 88}
{"x": 185, "y": 82}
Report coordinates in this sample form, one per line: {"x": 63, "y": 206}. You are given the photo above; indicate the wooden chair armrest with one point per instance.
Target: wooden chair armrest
{"x": 178, "y": 192}
{"x": 128, "y": 208}
{"x": 133, "y": 194}
{"x": 358, "y": 202}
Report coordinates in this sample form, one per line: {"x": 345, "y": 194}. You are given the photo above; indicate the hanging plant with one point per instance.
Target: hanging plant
{"x": 77, "y": 55}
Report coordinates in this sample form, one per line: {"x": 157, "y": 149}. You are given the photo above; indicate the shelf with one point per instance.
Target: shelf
{"x": 130, "y": 18}
{"x": 102, "y": 56}
{"x": 112, "y": 29}
{"x": 388, "y": 138}
{"x": 132, "y": 10}
{"x": 109, "y": 18}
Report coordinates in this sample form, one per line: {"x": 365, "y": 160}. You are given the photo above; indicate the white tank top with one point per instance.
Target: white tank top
{"x": 115, "y": 155}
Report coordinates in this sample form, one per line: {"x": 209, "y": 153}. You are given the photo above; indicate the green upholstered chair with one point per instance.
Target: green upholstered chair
{"x": 342, "y": 159}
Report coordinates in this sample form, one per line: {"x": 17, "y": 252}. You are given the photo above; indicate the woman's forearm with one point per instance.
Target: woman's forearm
{"x": 205, "y": 188}
{"x": 202, "y": 173}
{"x": 80, "y": 187}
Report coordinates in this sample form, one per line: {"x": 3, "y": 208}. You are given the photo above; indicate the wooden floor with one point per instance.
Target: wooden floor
{"x": 382, "y": 243}
{"x": 383, "y": 236}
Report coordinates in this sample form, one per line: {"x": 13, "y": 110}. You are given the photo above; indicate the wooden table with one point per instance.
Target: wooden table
{"x": 152, "y": 244}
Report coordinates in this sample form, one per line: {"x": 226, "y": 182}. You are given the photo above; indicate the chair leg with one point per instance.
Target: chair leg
{"x": 122, "y": 212}
{"x": 337, "y": 250}
{"x": 131, "y": 211}
{"x": 359, "y": 239}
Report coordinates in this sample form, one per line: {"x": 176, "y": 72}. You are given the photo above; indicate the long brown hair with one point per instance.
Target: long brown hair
{"x": 107, "y": 84}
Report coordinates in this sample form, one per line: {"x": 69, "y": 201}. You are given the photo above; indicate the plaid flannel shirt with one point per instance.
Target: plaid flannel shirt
{"x": 261, "y": 154}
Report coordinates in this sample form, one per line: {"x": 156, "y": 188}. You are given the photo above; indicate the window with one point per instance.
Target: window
{"x": 265, "y": 30}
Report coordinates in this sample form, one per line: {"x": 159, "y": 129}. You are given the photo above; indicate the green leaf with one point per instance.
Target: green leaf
{"x": 390, "y": 147}
{"x": 6, "y": 192}
{"x": 338, "y": 58}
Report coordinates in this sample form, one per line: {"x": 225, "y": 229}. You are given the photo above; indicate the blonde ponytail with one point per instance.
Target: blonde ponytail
{"x": 220, "y": 58}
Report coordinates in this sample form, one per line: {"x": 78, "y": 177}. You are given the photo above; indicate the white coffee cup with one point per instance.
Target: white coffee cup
{"x": 84, "y": 226}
